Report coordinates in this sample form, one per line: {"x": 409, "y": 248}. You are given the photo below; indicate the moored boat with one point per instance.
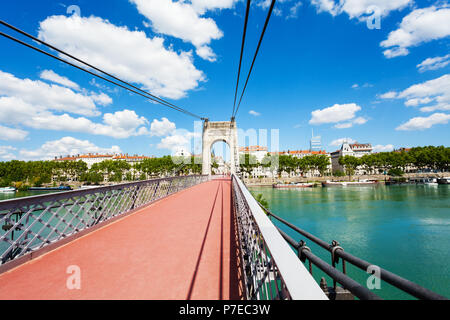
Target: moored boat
{"x": 431, "y": 182}
{"x": 424, "y": 181}
{"x": 444, "y": 180}
{"x": 89, "y": 187}
{"x": 60, "y": 188}
{"x": 360, "y": 183}
{"x": 8, "y": 190}
{"x": 292, "y": 185}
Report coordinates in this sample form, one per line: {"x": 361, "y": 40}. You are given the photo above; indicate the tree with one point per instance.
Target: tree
{"x": 396, "y": 172}
{"x": 316, "y": 162}
{"x": 262, "y": 201}
{"x": 247, "y": 163}
{"x": 287, "y": 164}
{"x": 350, "y": 163}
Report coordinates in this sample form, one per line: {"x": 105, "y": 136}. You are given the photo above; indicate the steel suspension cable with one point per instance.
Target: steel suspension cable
{"x": 256, "y": 53}
{"x": 242, "y": 52}
{"x": 141, "y": 92}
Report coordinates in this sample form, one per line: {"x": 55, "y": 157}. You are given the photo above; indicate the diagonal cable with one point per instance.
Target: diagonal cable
{"x": 242, "y": 52}
{"x": 137, "y": 90}
{"x": 256, "y": 53}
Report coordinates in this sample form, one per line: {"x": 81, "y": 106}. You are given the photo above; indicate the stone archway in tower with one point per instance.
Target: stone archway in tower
{"x": 213, "y": 132}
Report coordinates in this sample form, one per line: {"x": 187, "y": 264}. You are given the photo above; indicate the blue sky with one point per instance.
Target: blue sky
{"x": 320, "y": 67}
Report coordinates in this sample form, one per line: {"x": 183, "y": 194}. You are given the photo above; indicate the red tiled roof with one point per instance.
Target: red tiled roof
{"x": 252, "y": 148}
{"x": 104, "y": 156}
{"x": 299, "y": 152}
{"x": 361, "y": 145}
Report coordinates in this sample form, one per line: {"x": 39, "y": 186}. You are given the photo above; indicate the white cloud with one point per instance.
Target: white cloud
{"x": 174, "y": 142}
{"x": 349, "y": 124}
{"x": 48, "y": 97}
{"x": 201, "y": 6}
{"x": 388, "y": 95}
{"x": 9, "y": 134}
{"x": 421, "y": 25}
{"x": 365, "y": 85}
{"x": 34, "y": 104}
{"x": 102, "y": 99}
{"x": 264, "y": 3}
{"x": 359, "y": 9}
{"x": 50, "y": 75}
{"x": 65, "y": 146}
{"x": 395, "y": 52}
{"x": 435, "y": 92}
{"x": 340, "y": 141}
{"x": 180, "y": 139}
{"x": 162, "y": 128}
{"x": 336, "y": 113}
{"x": 277, "y": 12}
{"x": 121, "y": 124}
{"x": 254, "y": 113}
{"x": 6, "y": 152}
{"x": 382, "y": 148}
{"x": 434, "y": 63}
{"x": 131, "y": 55}
{"x": 326, "y": 6}
{"x": 293, "y": 11}
{"x": 422, "y": 123}
{"x": 183, "y": 20}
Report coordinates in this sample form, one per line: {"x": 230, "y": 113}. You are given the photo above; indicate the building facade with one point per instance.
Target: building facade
{"x": 92, "y": 158}
{"x": 270, "y": 172}
{"x": 355, "y": 150}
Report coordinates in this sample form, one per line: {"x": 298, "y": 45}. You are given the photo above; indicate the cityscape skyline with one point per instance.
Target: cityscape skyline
{"x": 320, "y": 67}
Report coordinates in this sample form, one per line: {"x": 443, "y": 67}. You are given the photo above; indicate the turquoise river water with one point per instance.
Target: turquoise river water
{"x": 404, "y": 229}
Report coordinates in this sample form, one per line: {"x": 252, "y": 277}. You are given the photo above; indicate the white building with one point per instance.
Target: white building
{"x": 270, "y": 172}
{"x": 92, "y": 158}
{"x": 257, "y": 151}
{"x": 356, "y": 150}
{"x": 315, "y": 144}
{"x": 181, "y": 152}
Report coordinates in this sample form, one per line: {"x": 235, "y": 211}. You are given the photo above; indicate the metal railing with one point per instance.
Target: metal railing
{"x": 31, "y": 223}
{"x": 337, "y": 252}
{"x": 270, "y": 268}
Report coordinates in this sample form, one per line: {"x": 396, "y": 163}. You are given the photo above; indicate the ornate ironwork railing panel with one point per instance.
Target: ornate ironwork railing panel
{"x": 271, "y": 269}
{"x": 31, "y": 223}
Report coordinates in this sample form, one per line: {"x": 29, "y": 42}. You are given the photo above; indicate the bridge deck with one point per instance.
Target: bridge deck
{"x": 182, "y": 247}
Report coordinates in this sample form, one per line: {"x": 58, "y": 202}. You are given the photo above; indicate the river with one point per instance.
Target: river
{"x": 404, "y": 229}
{"x": 21, "y": 194}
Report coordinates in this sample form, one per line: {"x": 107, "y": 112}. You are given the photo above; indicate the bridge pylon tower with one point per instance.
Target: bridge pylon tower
{"x": 213, "y": 132}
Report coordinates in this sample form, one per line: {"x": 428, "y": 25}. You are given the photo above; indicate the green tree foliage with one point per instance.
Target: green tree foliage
{"x": 339, "y": 173}
{"x": 247, "y": 163}
{"x": 350, "y": 164}
{"x": 262, "y": 201}
{"x": 36, "y": 173}
{"x": 396, "y": 172}
{"x": 433, "y": 158}
{"x": 315, "y": 162}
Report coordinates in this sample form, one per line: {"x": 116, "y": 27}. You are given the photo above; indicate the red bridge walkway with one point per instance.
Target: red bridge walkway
{"x": 182, "y": 247}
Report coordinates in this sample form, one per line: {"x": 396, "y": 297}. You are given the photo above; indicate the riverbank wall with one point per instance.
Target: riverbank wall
{"x": 380, "y": 177}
